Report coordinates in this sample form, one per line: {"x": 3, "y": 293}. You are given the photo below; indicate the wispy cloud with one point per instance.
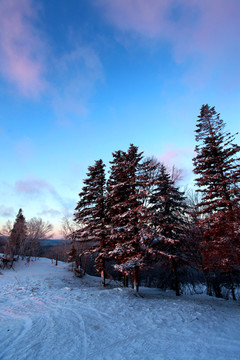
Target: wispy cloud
{"x": 78, "y": 72}
{"x": 173, "y": 154}
{"x": 28, "y": 61}
{"x": 6, "y": 211}
{"x": 38, "y": 187}
{"x": 169, "y": 155}
{"x": 33, "y": 186}
{"x": 205, "y": 21}
{"x": 51, "y": 212}
{"x": 181, "y": 158}
{"x": 21, "y": 47}
{"x": 177, "y": 156}
{"x": 206, "y": 31}
{"x": 148, "y": 18}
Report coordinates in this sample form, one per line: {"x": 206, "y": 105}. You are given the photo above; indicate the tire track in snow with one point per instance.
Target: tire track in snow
{"x": 18, "y": 326}
{"x": 44, "y": 334}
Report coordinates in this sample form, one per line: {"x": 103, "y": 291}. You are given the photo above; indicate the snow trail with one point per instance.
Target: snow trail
{"x": 46, "y": 313}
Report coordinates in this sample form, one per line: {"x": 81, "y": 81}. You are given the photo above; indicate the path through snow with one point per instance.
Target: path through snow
{"x": 46, "y": 313}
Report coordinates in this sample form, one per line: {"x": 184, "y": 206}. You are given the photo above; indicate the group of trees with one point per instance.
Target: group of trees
{"x": 134, "y": 218}
{"x": 23, "y": 238}
{"x": 139, "y": 217}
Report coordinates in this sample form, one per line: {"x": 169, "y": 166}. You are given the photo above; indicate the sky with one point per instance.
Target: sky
{"x": 82, "y": 79}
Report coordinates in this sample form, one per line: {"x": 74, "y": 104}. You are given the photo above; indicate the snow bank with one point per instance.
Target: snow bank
{"x": 46, "y": 313}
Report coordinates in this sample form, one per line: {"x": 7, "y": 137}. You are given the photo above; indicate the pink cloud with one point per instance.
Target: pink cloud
{"x": 6, "y": 211}
{"x": 168, "y": 155}
{"x": 206, "y": 30}
{"x": 51, "y": 212}
{"x": 36, "y": 187}
{"x": 180, "y": 159}
{"x": 172, "y": 155}
{"x": 33, "y": 186}
{"x": 21, "y": 46}
{"x": 175, "y": 19}
{"x": 145, "y": 17}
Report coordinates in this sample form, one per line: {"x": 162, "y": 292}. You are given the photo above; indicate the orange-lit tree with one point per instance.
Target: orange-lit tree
{"x": 217, "y": 167}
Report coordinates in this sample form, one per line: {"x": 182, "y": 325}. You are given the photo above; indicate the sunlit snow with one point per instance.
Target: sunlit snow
{"x": 47, "y": 313}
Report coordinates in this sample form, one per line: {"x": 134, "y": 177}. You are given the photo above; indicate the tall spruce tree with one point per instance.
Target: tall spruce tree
{"x": 167, "y": 208}
{"x": 125, "y": 212}
{"x": 217, "y": 167}
{"x": 18, "y": 236}
{"x": 167, "y": 205}
{"x": 90, "y": 214}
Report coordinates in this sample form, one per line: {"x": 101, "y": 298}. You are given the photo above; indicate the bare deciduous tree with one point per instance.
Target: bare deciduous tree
{"x": 5, "y": 232}
{"x": 6, "y": 229}
{"x": 37, "y": 229}
{"x": 176, "y": 174}
{"x": 69, "y": 231}
{"x": 68, "y": 227}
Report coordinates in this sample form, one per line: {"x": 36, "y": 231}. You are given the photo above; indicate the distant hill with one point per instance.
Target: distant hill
{"x": 52, "y": 242}
{"x": 44, "y": 242}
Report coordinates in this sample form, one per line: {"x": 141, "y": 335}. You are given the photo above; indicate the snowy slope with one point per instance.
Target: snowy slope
{"x": 46, "y": 313}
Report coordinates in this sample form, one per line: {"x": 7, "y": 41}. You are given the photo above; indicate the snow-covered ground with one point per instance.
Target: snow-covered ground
{"x": 46, "y": 313}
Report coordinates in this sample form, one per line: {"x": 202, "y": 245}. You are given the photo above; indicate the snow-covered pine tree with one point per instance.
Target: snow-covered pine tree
{"x": 167, "y": 205}
{"x": 167, "y": 208}
{"x": 90, "y": 215}
{"x": 17, "y": 238}
{"x": 217, "y": 167}
{"x": 125, "y": 212}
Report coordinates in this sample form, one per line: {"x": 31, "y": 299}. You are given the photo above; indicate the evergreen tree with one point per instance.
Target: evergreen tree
{"x": 216, "y": 164}
{"x": 18, "y": 236}
{"x": 167, "y": 208}
{"x": 218, "y": 169}
{"x": 125, "y": 212}
{"x": 91, "y": 215}
{"x": 167, "y": 205}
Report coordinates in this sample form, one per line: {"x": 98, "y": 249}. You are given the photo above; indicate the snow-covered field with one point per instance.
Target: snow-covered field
{"x": 46, "y": 313}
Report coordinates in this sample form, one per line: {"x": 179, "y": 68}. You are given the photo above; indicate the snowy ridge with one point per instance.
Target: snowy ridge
{"x": 46, "y": 313}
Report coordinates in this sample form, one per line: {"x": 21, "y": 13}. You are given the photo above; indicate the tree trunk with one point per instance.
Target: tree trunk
{"x": 216, "y": 287}
{"x": 208, "y": 282}
{"x": 176, "y": 280}
{"x": 136, "y": 279}
{"x": 232, "y": 287}
{"x": 125, "y": 280}
{"x": 103, "y": 278}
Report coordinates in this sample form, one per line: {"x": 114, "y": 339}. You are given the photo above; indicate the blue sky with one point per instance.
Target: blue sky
{"x": 81, "y": 79}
